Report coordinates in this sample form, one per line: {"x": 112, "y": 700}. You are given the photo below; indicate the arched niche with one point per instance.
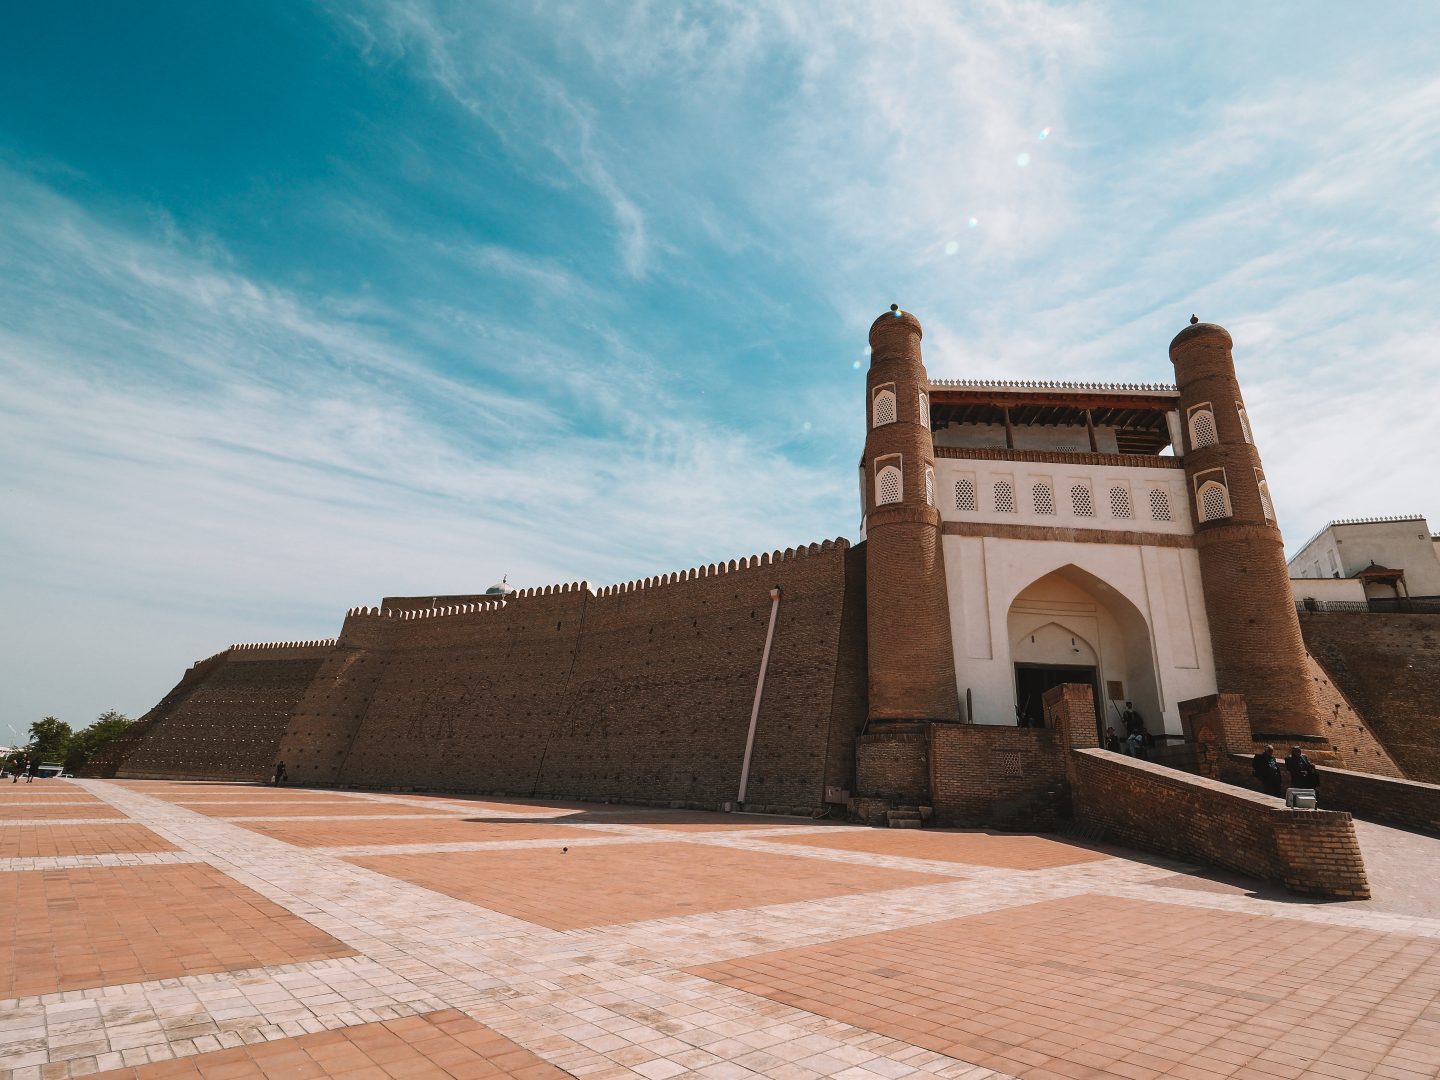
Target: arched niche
{"x": 1069, "y": 618}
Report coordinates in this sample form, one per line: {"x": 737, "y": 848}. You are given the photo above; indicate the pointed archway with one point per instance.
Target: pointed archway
{"x": 1070, "y": 626}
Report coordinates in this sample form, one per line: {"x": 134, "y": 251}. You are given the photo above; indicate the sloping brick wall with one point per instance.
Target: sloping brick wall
{"x": 1407, "y": 804}
{"x": 1388, "y": 667}
{"x": 1148, "y": 806}
{"x": 639, "y": 693}
{"x": 113, "y": 755}
{"x": 1156, "y": 808}
{"x": 227, "y": 724}
{"x": 1355, "y": 746}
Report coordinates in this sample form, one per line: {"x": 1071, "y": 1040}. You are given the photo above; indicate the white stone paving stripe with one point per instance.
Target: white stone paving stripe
{"x": 17, "y": 823}
{"x": 115, "y": 858}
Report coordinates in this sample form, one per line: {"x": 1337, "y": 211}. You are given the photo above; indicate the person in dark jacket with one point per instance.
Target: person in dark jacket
{"x": 1132, "y": 720}
{"x": 1267, "y": 771}
{"x": 1303, "y": 773}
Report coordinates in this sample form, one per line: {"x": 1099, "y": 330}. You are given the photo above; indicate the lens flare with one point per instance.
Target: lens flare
{"x": 1022, "y": 160}
{"x": 951, "y": 248}
{"x": 856, "y": 365}
{"x": 973, "y": 223}
{"x": 1044, "y": 134}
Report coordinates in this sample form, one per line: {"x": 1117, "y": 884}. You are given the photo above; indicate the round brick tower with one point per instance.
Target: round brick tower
{"x": 1253, "y": 626}
{"x": 912, "y": 667}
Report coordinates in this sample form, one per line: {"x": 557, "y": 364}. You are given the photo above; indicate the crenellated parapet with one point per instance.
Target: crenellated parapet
{"x": 406, "y": 614}
{"x": 1053, "y": 384}
{"x": 716, "y": 569}
{"x": 273, "y": 646}
{"x": 677, "y": 577}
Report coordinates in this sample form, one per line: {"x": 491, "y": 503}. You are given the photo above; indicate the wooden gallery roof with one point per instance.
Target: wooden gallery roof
{"x": 1136, "y": 411}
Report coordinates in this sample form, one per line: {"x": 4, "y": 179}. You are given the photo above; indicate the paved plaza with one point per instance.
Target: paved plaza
{"x": 158, "y": 929}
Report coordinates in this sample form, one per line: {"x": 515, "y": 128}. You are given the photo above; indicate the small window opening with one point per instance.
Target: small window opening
{"x": 887, "y": 486}
{"x": 1044, "y": 498}
{"x": 1159, "y": 504}
{"x": 965, "y": 494}
{"x": 1202, "y": 428}
{"x": 1081, "y": 502}
{"x": 1212, "y": 501}
{"x": 884, "y": 408}
{"x": 1120, "y": 506}
{"x": 1004, "y": 497}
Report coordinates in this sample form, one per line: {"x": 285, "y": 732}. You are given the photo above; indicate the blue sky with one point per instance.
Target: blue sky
{"x": 305, "y": 304}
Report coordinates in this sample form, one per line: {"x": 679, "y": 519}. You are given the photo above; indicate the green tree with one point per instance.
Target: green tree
{"x": 87, "y": 743}
{"x": 49, "y": 740}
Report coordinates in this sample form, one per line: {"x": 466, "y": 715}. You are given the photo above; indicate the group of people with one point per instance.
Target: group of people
{"x": 1137, "y": 740}
{"x": 21, "y": 768}
{"x": 1303, "y": 773}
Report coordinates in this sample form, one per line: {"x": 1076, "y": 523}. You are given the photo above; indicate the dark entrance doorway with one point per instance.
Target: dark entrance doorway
{"x": 1031, "y": 682}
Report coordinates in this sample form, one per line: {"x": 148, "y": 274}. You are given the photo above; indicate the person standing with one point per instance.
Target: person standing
{"x": 279, "y": 774}
{"x": 1112, "y": 741}
{"x": 1267, "y": 771}
{"x": 1133, "y": 720}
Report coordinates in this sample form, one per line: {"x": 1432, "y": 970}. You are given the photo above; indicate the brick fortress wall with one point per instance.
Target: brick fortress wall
{"x": 637, "y": 693}
{"x": 1388, "y": 667}
{"x": 225, "y": 719}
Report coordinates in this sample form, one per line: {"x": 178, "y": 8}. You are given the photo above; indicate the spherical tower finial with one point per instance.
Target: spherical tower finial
{"x": 1194, "y": 319}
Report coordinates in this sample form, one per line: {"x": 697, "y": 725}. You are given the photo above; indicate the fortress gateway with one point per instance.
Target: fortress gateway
{"x": 1035, "y": 555}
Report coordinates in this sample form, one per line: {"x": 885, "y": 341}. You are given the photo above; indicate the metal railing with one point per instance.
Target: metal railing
{"x": 1389, "y": 605}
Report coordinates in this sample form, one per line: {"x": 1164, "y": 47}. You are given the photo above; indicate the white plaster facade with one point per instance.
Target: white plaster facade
{"x": 1328, "y": 590}
{"x": 1134, "y": 611}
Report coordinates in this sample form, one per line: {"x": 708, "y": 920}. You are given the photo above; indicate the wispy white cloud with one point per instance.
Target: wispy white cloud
{"x": 201, "y": 445}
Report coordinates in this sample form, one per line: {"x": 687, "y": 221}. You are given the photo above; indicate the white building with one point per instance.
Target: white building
{"x": 1069, "y": 553}
{"x": 1385, "y": 557}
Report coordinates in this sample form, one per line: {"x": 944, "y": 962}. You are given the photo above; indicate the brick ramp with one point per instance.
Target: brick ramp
{"x": 1154, "y": 808}
{"x": 1401, "y": 868}
{"x": 1404, "y": 804}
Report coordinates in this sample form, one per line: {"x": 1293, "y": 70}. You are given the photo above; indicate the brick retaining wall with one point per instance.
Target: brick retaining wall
{"x": 980, "y": 772}
{"x": 1406, "y": 804}
{"x": 1148, "y": 806}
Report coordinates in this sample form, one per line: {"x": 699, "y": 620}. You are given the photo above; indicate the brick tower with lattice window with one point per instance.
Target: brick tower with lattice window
{"x": 1253, "y": 626}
